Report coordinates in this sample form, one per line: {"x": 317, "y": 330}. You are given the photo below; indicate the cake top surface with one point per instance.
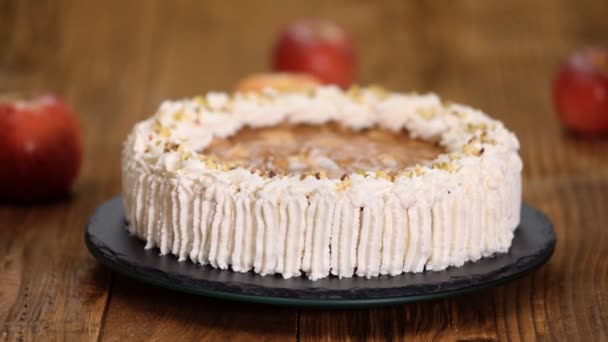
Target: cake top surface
{"x": 183, "y": 137}
{"x": 326, "y": 149}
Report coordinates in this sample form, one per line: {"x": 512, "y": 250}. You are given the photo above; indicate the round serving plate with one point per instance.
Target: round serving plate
{"x": 109, "y": 241}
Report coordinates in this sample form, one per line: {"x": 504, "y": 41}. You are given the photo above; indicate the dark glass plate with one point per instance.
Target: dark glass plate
{"x": 108, "y": 240}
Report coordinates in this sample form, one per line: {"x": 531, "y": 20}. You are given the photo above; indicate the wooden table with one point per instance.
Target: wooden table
{"x": 115, "y": 60}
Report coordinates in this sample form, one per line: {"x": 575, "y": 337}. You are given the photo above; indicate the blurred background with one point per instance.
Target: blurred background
{"x": 114, "y": 61}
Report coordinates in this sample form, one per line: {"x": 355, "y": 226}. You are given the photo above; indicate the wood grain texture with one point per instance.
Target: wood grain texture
{"x": 114, "y": 61}
{"x": 145, "y": 313}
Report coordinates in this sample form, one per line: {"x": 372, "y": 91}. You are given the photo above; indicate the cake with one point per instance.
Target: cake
{"x": 322, "y": 182}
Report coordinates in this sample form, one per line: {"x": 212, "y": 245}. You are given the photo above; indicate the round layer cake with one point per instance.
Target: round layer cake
{"x": 359, "y": 182}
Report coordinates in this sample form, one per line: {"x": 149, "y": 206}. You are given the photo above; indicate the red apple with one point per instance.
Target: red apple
{"x": 580, "y": 91}
{"x": 281, "y": 81}
{"x": 40, "y": 148}
{"x": 319, "y": 47}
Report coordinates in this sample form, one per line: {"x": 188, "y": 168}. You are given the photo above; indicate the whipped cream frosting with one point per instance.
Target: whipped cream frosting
{"x": 460, "y": 207}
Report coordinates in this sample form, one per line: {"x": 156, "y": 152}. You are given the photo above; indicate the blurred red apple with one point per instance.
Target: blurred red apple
{"x": 281, "y": 81}
{"x": 580, "y": 91}
{"x": 319, "y": 47}
{"x": 40, "y": 148}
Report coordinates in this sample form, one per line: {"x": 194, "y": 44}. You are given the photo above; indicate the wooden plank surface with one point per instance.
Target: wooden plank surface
{"x": 114, "y": 61}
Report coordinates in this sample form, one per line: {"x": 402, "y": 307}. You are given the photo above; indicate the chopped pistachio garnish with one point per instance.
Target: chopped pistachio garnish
{"x": 471, "y": 127}
{"x": 408, "y": 173}
{"x": 426, "y": 112}
{"x": 383, "y": 174}
{"x": 201, "y": 101}
{"x": 179, "y": 115}
{"x": 471, "y": 149}
{"x": 486, "y": 140}
{"x": 447, "y": 106}
{"x": 443, "y": 166}
{"x": 161, "y": 130}
{"x": 378, "y": 91}
{"x": 446, "y": 103}
{"x": 227, "y": 166}
{"x": 362, "y": 173}
{"x": 185, "y": 156}
{"x": 343, "y": 185}
{"x": 211, "y": 164}
{"x": 354, "y": 91}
